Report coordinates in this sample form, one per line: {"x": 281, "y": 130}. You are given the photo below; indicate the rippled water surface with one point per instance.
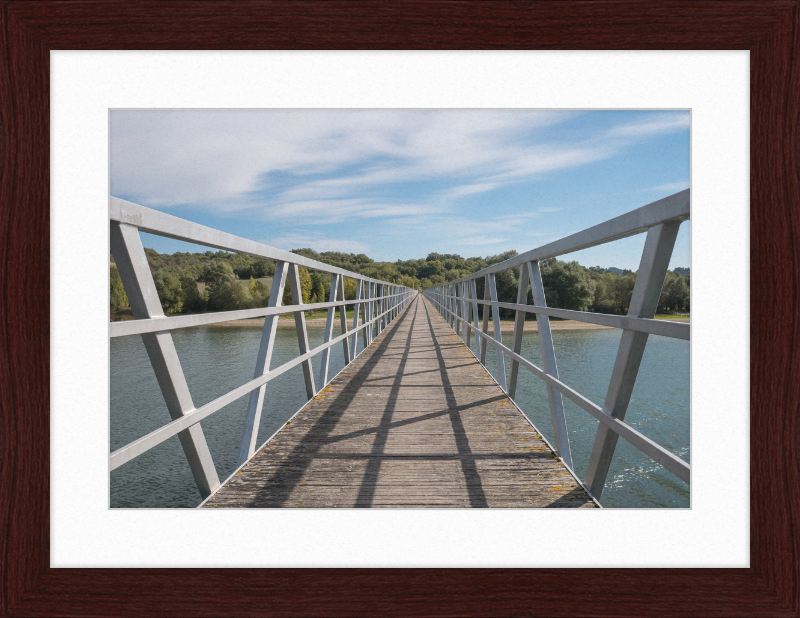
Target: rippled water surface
{"x": 217, "y": 359}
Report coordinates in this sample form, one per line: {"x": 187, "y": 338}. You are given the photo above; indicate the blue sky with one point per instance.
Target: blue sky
{"x": 400, "y": 184}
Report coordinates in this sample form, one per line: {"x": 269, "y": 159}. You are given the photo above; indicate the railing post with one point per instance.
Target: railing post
{"x": 343, "y": 322}
{"x": 485, "y": 325}
{"x": 519, "y": 327}
{"x": 452, "y": 315}
{"x": 554, "y": 397}
{"x": 456, "y": 303}
{"x": 300, "y": 325}
{"x": 365, "y": 314}
{"x": 356, "y": 309}
{"x": 498, "y": 336}
{"x": 378, "y": 307}
{"x": 644, "y": 302}
{"x": 466, "y": 308}
{"x": 256, "y": 401}
{"x": 126, "y": 246}
{"x": 479, "y": 343}
{"x": 326, "y": 353}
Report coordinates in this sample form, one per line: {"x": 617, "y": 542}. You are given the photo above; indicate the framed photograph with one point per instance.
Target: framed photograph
{"x": 45, "y": 572}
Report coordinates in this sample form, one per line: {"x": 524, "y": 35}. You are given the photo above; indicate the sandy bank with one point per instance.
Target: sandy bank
{"x": 505, "y": 326}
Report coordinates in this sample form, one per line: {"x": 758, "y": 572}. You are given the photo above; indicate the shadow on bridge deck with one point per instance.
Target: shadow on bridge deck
{"x": 414, "y": 421}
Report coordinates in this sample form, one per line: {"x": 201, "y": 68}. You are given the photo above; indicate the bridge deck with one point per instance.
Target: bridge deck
{"x": 414, "y": 421}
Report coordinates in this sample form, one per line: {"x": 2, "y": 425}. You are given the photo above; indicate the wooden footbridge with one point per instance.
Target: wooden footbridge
{"x": 414, "y": 419}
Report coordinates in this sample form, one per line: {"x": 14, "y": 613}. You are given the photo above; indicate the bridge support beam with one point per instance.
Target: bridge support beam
{"x": 348, "y": 356}
{"x": 498, "y": 335}
{"x": 644, "y": 302}
{"x": 126, "y": 246}
{"x": 300, "y": 326}
{"x": 326, "y": 353}
{"x": 256, "y": 402}
{"x": 479, "y": 342}
{"x": 554, "y": 397}
{"x": 356, "y": 308}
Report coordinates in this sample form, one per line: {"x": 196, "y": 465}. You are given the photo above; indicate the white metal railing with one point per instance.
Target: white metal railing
{"x": 378, "y": 303}
{"x": 457, "y": 301}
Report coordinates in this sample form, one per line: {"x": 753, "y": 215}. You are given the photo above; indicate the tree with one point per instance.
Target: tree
{"x": 567, "y": 285}
{"x": 191, "y": 297}
{"x": 305, "y": 287}
{"x": 318, "y": 288}
{"x": 168, "y": 286}
{"x": 262, "y": 268}
{"x": 118, "y": 297}
{"x": 350, "y": 288}
{"x": 225, "y": 292}
{"x": 674, "y": 294}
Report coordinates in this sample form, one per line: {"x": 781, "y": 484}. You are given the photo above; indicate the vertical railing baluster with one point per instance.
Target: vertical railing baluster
{"x": 498, "y": 337}
{"x": 479, "y": 343}
{"x": 356, "y": 309}
{"x": 644, "y": 301}
{"x": 129, "y": 255}
{"x": 467, "y": 311}
{"x": 256, "y": 401}
{"x": 519, "y": 327}
{"x": 485, "y": 327}
{"x": 554, "y": 397}
{"x": 348, "y": 356}
{"x": 326, "y": 353}
{"x": 300, "y": 325}
{"x": 456, "y": 302}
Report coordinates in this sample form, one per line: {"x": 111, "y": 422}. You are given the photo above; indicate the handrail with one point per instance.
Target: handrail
{"x": 378, "y": 302}
{"x": 458, "y": 303}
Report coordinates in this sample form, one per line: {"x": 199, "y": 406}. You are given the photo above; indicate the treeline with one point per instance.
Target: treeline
{"x": 231, "y": 281}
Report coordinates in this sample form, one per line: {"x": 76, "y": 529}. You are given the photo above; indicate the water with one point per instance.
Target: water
{"x": 218, "y": 359}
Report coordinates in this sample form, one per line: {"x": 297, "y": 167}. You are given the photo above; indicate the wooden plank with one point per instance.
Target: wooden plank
{"x": 414, "y": 422}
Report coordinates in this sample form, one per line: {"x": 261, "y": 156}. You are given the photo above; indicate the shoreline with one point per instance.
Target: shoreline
{"x": 505, "y": 326}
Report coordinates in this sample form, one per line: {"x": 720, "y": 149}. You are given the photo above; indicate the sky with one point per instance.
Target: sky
{"x": 400, "y": 184}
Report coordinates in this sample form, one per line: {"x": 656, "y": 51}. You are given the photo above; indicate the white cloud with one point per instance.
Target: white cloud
{"x": 664, "y": 123}
{"x": 300, "y": 240}
{"x": 672, "y": 186}
{"x": 336, "y": 165}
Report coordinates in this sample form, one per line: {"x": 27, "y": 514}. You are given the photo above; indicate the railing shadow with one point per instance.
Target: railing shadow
{"x": 477, "y": 497}
{"x": 279, "y": 486}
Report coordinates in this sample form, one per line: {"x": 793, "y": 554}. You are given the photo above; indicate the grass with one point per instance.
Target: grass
{"x": 670, "y": 316}
{"x": 310, "y": 315}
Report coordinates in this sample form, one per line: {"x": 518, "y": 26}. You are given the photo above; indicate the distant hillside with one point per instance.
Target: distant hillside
{"x": 619, "y": 271}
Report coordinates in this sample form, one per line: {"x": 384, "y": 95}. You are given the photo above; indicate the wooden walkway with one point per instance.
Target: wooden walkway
{"x": 415, "y": 421}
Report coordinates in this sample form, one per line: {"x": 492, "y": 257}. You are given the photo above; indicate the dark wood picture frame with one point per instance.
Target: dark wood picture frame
{"x": 30, "y": 29}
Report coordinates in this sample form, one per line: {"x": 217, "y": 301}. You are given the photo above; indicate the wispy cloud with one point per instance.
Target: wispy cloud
{"x": 337, "y": 165}
{"x": 672, "y": 186}
{"x": 301, "y": 240}
{"x": 663, "y": 123}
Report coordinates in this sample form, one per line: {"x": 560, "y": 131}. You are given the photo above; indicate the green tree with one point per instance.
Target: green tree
{"x": 119, "y": 299}
{"x": 263, "y": 268}
{"x": 674, "y": 294}
{"x": 567, "y": 285}
{"x": 305, "y": 286}
{"x": 168, "y": 286}
{"x": 191, "y": 297}
{"x": 350, "y": 288}
{"x": 224, "y": 291}
{"x": 318, "y": 288}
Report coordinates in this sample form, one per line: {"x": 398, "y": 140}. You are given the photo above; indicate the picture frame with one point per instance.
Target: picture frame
{"x": 768, "y": 29}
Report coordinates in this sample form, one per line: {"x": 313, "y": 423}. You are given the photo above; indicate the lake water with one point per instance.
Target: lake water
{"x": 217, "y": 359}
